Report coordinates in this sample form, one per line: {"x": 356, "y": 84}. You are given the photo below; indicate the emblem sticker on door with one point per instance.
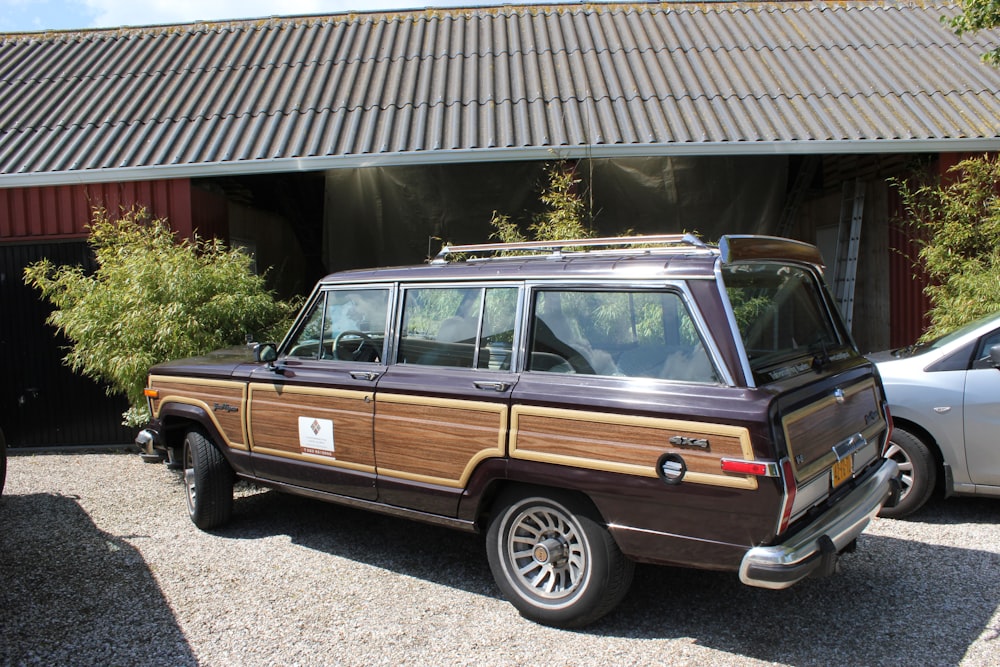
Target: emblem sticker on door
{"x": 316, "y": 436}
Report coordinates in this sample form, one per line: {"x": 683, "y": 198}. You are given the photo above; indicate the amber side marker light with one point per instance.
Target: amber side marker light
{"x": 151, "y": 393}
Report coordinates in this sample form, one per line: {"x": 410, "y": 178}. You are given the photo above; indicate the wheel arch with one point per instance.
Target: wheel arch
{"x": 177, "y": 418}
{"x": 487, "y": 487}
{"x": 924, "y": 436}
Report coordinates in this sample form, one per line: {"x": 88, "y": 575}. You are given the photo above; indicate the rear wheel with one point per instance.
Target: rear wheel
{"x": 918, "y": 472}
{"x": 208, "y": 482}
{"x": 554, "y": 561}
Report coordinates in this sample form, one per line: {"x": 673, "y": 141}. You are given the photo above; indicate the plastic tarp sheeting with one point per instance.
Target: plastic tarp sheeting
{"x": 379, "y": 216}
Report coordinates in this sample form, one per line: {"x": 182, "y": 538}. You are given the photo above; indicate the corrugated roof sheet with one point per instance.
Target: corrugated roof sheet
{"x": 492, "y": 83}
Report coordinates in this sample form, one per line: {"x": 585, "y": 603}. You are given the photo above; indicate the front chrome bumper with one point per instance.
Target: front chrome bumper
{"x": 814, "y": 549}
{"x": 146, "y": 441}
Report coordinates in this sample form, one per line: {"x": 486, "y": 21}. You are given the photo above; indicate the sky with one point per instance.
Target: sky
{"x": 38, "y": 15}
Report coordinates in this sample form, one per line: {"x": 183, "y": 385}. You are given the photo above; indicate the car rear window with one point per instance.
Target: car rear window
{"x": 630, "y": 333}
{"x": 783, "y": 319}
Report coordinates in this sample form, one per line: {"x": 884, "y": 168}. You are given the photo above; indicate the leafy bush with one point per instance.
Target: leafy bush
{"x": 961, "y": 220}
{"x": 564, "y": 217}
{"x": 153, "y": 299}
{"x": 978, "y": 15}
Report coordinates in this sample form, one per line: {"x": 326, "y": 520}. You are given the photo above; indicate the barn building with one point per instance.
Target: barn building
{"x": 327, "y": 142}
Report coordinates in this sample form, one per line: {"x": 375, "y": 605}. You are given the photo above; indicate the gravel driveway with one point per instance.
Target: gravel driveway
{"x": 99, "y": 565}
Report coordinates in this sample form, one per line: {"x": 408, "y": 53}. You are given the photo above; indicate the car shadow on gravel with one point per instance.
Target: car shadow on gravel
{"x": 433, "y": 553}
{"x": 887, "y": 605}
{"x": 958, "y": 509}
{"x": 71, "y": 594}
{"x": 893, "y": 602}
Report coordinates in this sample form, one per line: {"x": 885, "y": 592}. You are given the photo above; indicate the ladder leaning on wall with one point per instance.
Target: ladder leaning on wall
{"x": 852, "y": 207}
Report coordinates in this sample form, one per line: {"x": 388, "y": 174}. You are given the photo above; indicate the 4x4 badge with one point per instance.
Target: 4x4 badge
{"x": 683, "y": 441}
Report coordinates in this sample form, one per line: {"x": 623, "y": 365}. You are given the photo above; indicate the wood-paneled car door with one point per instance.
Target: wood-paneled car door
{"x": 443, "y": 406}
{"x": 614, "y": 378}
{"x": 311, "y": 412}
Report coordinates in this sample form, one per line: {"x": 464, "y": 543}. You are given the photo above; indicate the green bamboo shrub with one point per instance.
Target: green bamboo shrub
{"x": 960, "y": 219}
{"x": 153, "y": 299}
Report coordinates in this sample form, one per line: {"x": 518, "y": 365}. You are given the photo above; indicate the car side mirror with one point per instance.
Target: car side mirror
{"x": 995, "y": 356}
{"x": 265, "y": 352}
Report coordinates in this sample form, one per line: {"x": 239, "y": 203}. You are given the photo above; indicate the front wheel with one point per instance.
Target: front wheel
{"x": 553, "y": 561}
{"x": 918, "y": 472}
{"x": 208, "y": 482}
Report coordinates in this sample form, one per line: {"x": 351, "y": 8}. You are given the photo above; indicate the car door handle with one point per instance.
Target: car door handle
{"x": 492, "y": 386}
{"x": 365, "y": 375}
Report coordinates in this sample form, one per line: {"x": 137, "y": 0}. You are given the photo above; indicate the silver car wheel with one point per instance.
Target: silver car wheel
{"x": 190, "y": 481}
{"x": 545, "y": 554}
{"x": 918, "y": 472}
{"x": 902, "y": 459}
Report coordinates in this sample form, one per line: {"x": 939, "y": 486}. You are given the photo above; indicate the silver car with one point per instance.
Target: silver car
{"x": 944, "y": 397}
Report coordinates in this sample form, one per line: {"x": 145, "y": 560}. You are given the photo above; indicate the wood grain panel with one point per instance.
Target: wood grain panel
{"x": 436, "y": 440}
{"x": 223, "y": 401}
{"x": 274, "y": 422}
{"x": 812, "y": 431}
{"x": 630, "y": 445}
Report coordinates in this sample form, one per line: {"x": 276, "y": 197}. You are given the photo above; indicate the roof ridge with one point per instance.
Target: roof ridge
{"x": 308, "y": 20}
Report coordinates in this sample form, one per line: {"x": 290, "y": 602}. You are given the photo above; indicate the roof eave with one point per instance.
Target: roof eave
{"x": 285, "y": 165}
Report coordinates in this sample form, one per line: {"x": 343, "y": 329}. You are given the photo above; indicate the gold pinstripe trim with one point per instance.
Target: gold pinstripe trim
{"x": 581, "y": 417}
{"x": 827, "y": 458}
{"x": 827, "y": 401}
{"x": 443, "y": 481}
{"x": 500, "y": 409}
{"x": 310, "y": 391}
{"x": 227, "y": 384}
{"x": 331, "y": 462}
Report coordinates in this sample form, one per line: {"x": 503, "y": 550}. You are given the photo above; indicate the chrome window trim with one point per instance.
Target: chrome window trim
{"x": 320, "y": 292}
{"x": 400, "y": 299}
{"x": 734, "y": 328}
{"x": 677, "y": 285}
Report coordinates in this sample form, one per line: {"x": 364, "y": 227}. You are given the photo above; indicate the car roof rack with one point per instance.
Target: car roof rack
{"x": 631, "y": 244}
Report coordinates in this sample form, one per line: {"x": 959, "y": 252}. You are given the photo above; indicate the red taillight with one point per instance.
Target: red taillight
{"x": 756, "y": 468}
{"x": 744, "y": 467}
{"x": 788, "y": 480}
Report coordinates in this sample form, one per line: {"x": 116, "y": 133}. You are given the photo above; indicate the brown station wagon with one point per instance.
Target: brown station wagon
{"x": 587, "y": 404}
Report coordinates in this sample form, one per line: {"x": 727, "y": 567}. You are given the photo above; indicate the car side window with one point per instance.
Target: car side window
{"x": 982, "y": 359}
{"x": 344, "y": 324}
{"x": 463, "y": 327}
{"x": 628, "y": 333}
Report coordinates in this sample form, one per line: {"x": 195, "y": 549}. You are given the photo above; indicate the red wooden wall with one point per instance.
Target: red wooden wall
{"x": 45, "y": 213}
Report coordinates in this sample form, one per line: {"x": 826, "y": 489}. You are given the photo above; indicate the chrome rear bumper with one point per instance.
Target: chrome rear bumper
{"x": 814, "y": 549}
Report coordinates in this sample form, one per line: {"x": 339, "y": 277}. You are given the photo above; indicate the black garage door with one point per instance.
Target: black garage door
{"x": 43, "y": 403}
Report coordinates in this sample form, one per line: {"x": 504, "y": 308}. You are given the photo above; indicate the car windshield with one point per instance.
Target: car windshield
{"x": 782, "y": 318}
{"x": 921, "y": 347}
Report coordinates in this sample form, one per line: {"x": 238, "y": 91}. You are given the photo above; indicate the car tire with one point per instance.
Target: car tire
{"x": 554, "y": 561}
{"x": 208, "y": 482}
{"x": 918, "y": 472}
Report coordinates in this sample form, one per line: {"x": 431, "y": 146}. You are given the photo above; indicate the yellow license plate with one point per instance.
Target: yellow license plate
{"x": 842, "y": 470}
